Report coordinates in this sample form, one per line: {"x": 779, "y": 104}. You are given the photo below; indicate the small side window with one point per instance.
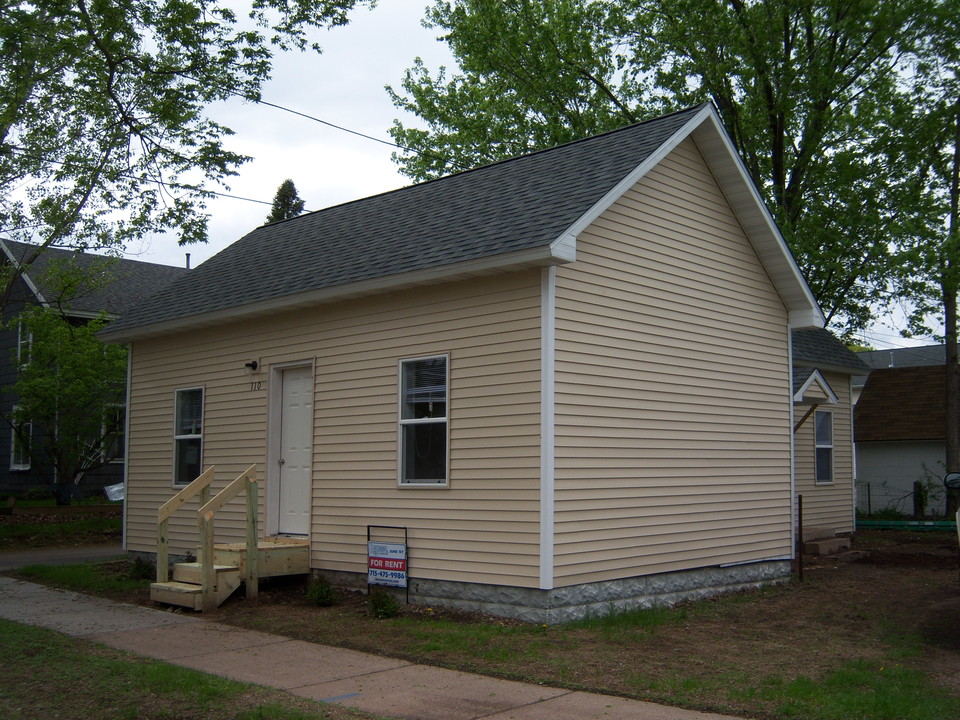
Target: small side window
{"x": 423, "y": 421}
{"x": 24, "y": 342}
{"x": 21, "y": 437}
{"x": 188, "y": 436}
{"x": 823, "y": 430}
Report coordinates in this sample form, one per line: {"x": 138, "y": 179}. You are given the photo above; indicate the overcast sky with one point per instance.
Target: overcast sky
{"x": 343, "y": 86}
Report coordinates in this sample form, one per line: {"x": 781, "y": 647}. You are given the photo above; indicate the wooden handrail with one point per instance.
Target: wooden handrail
{"x": 200, "y": 486}
{"x": 186, "y": 494}
{"x": 246, "y": 481}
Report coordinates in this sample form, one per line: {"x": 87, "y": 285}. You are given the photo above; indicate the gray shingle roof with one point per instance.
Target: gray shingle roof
{"x": 817, "y": 348}
{"x": 904, "y": 357}
{"x": 515, "y": 205}
{"x": 128, "y": 282}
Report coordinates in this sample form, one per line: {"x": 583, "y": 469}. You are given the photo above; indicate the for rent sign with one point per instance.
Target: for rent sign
{"x": 387, "y": 564}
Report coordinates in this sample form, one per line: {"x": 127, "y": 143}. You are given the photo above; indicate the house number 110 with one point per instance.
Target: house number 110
{"x": 254, "y": 386}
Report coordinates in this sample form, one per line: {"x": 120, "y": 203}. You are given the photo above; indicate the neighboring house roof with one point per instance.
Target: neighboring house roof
{"x": 129, "y": 282}
{"x": 904, "y": 357}
{"x": 902, "y": 404}
{"x": 819, "y": 348}
{"x": 520, "y": 213}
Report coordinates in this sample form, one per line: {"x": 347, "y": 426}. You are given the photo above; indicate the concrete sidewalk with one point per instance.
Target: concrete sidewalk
{"x": 370, "y": 683}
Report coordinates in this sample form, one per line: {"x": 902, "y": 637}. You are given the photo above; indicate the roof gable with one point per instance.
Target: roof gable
{"x": 127, "y": 282}
{"x": 523, "y": 212}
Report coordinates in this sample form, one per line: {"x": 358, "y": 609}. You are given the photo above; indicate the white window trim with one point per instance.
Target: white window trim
{"x": 106, "y": 439}
{"x": 401, "y": 422}
{"x": 203, "y": 422}
{"x": 21, "y": 360}
{"x": 13, "y": 445}
{"x": 832, "y": 446}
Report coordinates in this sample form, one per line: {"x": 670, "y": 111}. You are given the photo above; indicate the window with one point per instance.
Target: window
{"x": 187, "y": 436}
{"x": 823, "y": 431}
{"x": 114, "y": 433}
{"x": 24, "y": 341}
{"x": 423, "y": 421}
{"x": 21, "y": 435}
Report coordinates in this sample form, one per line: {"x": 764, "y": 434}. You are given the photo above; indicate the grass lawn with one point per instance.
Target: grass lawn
{"x": 49, "y": 675}
{"x": 52, "y": 531}
{"x": 873, "y": 639}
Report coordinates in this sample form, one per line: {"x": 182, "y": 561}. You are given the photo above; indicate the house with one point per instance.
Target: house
{"x": 565, "y": 378}
{"x": 901, "y": 430}
{"x": 127, "y": 283}
{"x": 823, "y": 373}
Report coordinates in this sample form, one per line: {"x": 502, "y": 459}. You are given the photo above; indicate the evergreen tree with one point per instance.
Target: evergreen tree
{"x": 286, "y": 203}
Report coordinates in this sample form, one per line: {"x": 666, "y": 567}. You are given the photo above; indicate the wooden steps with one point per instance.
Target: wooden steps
{"x": 275, "y": 556}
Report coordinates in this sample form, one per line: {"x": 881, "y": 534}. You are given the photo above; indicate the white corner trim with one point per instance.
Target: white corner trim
{"x": 548, "y": 328}
{"x": 793, "y": 448}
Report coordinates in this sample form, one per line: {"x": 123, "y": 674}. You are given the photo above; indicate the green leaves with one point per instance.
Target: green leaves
{"x": 102, "y": 130}
{"x": 807, "y": 90}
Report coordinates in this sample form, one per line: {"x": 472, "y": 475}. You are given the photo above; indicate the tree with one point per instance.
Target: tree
{"x": 924, "y": 151}
{"x": 69, "y": 392}
{"x": 800, "y": 87}
{"x": 286, "y": 203}
{"x": 102, "y": 130}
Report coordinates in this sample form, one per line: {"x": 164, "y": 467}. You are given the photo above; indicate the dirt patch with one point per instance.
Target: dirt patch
{"x": 894, "y": 601}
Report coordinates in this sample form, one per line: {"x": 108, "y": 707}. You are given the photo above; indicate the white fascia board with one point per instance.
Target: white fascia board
{"x": 757, "y": 222}
{"x": 23, "y": 274}
{"x": 816, "y": 377}
{"x": 632, "y": 178}
{"x": 542, "y": 256}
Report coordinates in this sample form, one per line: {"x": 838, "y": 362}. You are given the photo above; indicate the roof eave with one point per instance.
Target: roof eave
{"x": 561, "y": 251}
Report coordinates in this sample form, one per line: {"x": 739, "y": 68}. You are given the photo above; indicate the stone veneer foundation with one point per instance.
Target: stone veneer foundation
{"x": 575, "y": 602}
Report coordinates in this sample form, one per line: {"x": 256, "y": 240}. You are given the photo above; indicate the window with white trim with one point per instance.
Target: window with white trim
{"x": 115, "y": 433}
{"x": 823, "y": 438}
{"x": 21, "y": 435}
{"x": 24, "y": 341}
{"x": 188, "y": 436}
{"x": 424, "y": 385}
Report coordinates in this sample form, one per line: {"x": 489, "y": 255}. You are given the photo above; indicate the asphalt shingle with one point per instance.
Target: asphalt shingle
{"x": 515, "y": 205}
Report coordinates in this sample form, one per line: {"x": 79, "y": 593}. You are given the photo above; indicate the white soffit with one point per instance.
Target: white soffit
{"x": 744, "y": 198}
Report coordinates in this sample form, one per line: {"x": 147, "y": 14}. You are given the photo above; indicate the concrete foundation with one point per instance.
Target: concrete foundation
{"x": 576, "y": 602}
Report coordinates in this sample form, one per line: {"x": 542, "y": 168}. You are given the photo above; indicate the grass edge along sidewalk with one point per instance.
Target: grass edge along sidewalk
{"x": 879, "y": 686}
{"x": 47, "y": 674}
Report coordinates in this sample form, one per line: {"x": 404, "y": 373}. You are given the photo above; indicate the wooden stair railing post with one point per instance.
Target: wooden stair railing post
{"x": 208, "y": 573}
{"x": 205, "y": 516}
{"x": 199, "y": 486}
{"x": 253, "y": 551}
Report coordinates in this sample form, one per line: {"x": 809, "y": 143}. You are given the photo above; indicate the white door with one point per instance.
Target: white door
{"x": 296, "y": 447}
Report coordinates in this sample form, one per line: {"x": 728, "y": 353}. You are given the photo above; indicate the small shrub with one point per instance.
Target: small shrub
{"x": 142, "y": 569}
{"x": 320, "y": 592}
{"x": 382, "y": 604}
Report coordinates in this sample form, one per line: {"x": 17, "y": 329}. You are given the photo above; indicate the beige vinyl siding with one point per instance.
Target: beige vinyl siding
{"x": 483, "y": 527}
{"x": 827, "y": 506}
{"x": 672, "y": 388}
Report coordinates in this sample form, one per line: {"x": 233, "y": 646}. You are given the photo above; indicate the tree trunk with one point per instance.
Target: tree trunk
{"x": 949, "y": 285}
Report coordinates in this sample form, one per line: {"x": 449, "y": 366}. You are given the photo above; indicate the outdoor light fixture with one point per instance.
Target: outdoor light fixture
{"x": 252, "y": 366}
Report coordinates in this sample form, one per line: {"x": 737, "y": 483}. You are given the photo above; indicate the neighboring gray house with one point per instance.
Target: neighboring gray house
{"x": 900, "y": 429}
{"x": 130, "y": 282}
